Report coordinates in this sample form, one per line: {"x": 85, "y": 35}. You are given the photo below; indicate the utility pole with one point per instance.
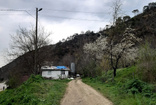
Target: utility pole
{"x": 36, "y": 40}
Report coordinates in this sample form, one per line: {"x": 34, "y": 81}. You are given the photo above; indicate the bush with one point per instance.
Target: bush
{"x": 35, "y": 91}
{"x": 137, "y": 86}
{"x": 33, "y": 78}
{"x": 125, "y": 90}
{"x": 13, "y": 82}
{"x": 92, "y": 70}
{"x": 146, "y": 67}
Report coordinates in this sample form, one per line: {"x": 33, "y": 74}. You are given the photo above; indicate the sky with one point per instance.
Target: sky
{"x": 62, "y": 18}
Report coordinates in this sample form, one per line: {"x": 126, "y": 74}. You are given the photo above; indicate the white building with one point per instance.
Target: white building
{"x": 3, "y": 86}
{"x": 55, "y": 72}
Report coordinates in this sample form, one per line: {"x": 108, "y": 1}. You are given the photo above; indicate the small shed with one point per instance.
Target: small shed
{"x": 55, "y": 72}
{"x": 3, "y": 86}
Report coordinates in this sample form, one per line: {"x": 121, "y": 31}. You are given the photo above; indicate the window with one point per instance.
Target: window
{"x": 49, "y": 72}
{"x": 62, "y": 72}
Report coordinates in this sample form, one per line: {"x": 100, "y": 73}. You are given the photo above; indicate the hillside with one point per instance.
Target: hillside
{"x": 127, "y": 88}
{"x": 35, "y": 91}
{"x": 71, "y": 49}
{"x": 57, "y": 54}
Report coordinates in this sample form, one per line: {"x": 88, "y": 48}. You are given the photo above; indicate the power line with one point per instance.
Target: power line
{"x": 57, "y": 17}
{"x": 79, "y": 19}
{"x": 52, "y": 15}
{"x": 72, "y": 18}
{"x": 16, "y": 10}
{"x": 58, "y": 11}
{"x": 11, "y": 14}
{"x": 78, "y": 11}
{"x": 13, "y": 10}
{"x": 29, "y": 14}
{"x": 99, "y": 13}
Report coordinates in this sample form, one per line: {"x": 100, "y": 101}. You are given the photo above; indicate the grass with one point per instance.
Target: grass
{"x": 125, "y": 89}
{"x": 35, "y": 91}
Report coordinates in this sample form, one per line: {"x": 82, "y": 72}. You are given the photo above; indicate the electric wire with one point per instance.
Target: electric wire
{"x": 13, "y": 10}
{"x": 29, "y": 14}
{"x": 78, "y": 11}
{"x": 72, "y": 18}
{"x": 54, "y": 16}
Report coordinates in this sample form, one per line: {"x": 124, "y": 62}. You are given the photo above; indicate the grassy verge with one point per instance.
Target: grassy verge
{"x": 35, "y": 91}
{"x": 125, "y": 90}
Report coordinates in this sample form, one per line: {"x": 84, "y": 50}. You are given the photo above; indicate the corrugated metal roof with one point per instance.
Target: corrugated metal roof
{"x": 43, "y": 68}
{"x": 61, "y": 67}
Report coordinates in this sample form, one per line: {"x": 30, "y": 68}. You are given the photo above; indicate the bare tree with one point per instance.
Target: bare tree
{"x": 113, "y": 34}
{"x": 23, "y": 42}
{"x": 116, "y": 10}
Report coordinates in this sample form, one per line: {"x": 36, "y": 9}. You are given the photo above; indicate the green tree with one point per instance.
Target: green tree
{"x": 126, "y": 18}
{"x": 136, "y": 11}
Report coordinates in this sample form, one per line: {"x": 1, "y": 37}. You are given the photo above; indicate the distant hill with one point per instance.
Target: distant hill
{"x": 56, "y": 54}
{"x": 145, "y": 23}
{"x": 71, "y": 49}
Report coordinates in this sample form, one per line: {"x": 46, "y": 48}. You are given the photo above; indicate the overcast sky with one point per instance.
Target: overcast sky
{"x": 61, "y": 17}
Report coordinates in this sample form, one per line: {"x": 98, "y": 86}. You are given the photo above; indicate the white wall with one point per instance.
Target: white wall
{"x": 54, "y": 74}
{"x": 2, "y": 85}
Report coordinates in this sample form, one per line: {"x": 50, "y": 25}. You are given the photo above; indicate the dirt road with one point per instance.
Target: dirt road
{"x": 79, "y": 93}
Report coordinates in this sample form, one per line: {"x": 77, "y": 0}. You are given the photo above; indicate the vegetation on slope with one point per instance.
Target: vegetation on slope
{"x": 61, "y": 53}
{"x": 127, "y": 89}
{"x": 135, "y": 85}
{"x": 71, "y": 49}
{"x": 35, "y": 91}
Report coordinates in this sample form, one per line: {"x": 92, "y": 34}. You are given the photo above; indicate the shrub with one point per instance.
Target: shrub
{"x": 33, "y": 78}
{"x": 146, "y": 67}
{"x": 92, "y": 70}
{"x": 13, "y": 82}
{"x": 137, "y": 86}
{"x": 105, "y": 64}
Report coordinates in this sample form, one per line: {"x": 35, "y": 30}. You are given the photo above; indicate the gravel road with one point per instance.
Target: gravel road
{"x": 78, "y": 93}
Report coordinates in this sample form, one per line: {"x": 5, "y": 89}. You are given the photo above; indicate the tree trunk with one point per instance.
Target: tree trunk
{"x": 114, "y": 73}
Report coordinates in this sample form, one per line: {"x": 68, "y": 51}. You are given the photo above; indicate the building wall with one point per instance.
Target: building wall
{"x": 54, "y": 74}
{"x": 3, "y": 85}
